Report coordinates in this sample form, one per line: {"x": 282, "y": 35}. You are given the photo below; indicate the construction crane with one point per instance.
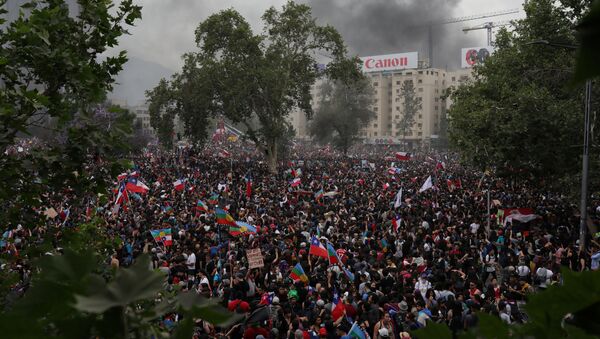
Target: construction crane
{"x": 462, "y": 19}
{"x": 489, "y": 26}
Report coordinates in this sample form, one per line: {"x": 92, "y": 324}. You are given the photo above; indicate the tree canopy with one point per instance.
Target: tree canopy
{"x": 246, "y": 76}
{"x": 520, "y": 111}
{"x": 343, "y": 110}
{"x": 411, "y": 105}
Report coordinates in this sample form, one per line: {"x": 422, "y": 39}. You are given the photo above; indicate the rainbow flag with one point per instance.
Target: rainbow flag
{"x": 201, "y": 206}
{"x": 319, "y": 195}
{"x": 241, "y": 228}
{"x": 162, "y": 235}
{"x": 224, "y": 219}
{"x": 298, "y": 274}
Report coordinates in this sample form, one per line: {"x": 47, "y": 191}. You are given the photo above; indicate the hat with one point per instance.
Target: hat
{"x": 323, "y": 331}
{"x": 275, "y": 300}
{"x": 403, "y": 306}
{"x": 383, "y": 332}
{"x": 320, "y": 303}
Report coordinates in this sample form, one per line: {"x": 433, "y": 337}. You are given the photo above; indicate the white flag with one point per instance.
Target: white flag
{"x": 426, "y": 185}
{"x": 398, "y": 201}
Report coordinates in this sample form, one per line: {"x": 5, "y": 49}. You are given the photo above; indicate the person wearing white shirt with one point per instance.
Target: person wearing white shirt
{"x": 191, "y": 263}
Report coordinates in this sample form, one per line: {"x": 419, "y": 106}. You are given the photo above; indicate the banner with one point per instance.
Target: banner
{"x": 474, "y": 55}
{"x": 255, "y": 258}
{"x": 390, "y": 62}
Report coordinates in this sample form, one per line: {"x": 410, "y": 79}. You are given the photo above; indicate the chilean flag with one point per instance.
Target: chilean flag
{"x": 338, "y": 308}
{"x": 179, "y": 185}
{"x": 396, "y": 222}
{"x": 403, "y": 156}
{"x": 224, "y": 154}
{"x": 296, "y": 182}
{"x": 317, "y": 249}
{"x": 136, "y": 186}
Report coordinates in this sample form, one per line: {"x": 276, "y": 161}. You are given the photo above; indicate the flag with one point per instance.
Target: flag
{"x": 248, "y": 188}
{"x": 296, "y": 182}
{"x": 317, "y": 249}
{"x": 403, "y": 156}
{"x": 214, "y": 199}
{"x": 162, "y": 235}
{"x": 64, "y": 215}
{"x": 356, "y": 332}
{"x": 338, "y": 306}
{"x": 453, "y": 184}
{"x": 201, "y": 206}
{"x": 333, "y": 257}
{"x": 523, "y": 215}
{"x": 341, "y": 254}
{"x": 396, "y": 222}
{"x": 224, "y": 219}
{"x": 348, "y": 274}
{"x": 241, "y": 228}
{"x": 386, "y": 186}
{"x": 398, "y": 201}
{"x": 426, "y": 185}
{"x": 121, "y": 176}
{"x": 298, "y": 274}
{"x": 136, "y": 186}
{"x": 134, "y": 174}
{"x": 414, "y": 179}
{"x": 179, "y": 185}
{"x": 224, "y": 154}
{"x": 500, "y": 216}
{"x": 266, "y": 298}
{"x": 440, "y": 165}
{"x": 297, "y": 173}
{"x": 319, "y": 195}
{"x": 394, "y": 170}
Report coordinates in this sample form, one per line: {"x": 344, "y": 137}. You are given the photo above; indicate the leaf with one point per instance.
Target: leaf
{"x": 207, "y": 309}
{"x": 433, "y": 330}
{"x": 587, "y": 66}
{"x": 131, "y": 284}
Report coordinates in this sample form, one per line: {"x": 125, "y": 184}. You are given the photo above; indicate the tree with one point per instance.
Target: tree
{"x": 162, "y": 111}
{"x": 343, "y": 110}
{"x": 244, "y": 76}
{"x": 411, "y": 104}
{"x": 519, "y": 112}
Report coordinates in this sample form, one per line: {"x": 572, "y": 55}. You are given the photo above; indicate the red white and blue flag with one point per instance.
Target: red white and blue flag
{"x": 403, "y": 156}
{"x": 179, "y": 185}
{"x": 136, "y": 186}
{"x": 317, "y": 249}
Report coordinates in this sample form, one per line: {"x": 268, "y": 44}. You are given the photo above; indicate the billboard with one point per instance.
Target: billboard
{"x": 390, "y": 62}
{"x": 474, "y": 55}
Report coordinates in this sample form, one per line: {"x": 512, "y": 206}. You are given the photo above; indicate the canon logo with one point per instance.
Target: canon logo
{"x": 371, "y": 63}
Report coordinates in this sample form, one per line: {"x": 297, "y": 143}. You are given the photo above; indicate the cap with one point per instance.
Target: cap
{"x": 383, "y": 332}
{"x": 323, "y": 331}
{"x": 320, "y": 303}
{"x": 275, "y": 300}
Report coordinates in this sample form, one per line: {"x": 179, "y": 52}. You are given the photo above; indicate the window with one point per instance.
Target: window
{"x": 420, "y": 89}
{"x": 420, "y": 81}
{"x": 420, "y": 116}
{"x": 437, "y": 99}
{"x": 408, "y": 73}
{"x": 375, "y": 134}
{"x": 397, "y": 116}
{"x": 420, "y": 72}
{"x": 375, "y": 109}
{"x": 397, "y": 134}
{"x": 374, "y": 125}
{"x": 375, "y": 83}
{"x": 420, "y": 125}
{"x": 375, "y": 100}
{"x": 375, "y": 92}
{"x": 418, "y": 134}
{"x": 398, "y": 83}
{"x": 436, "y": 108}
{"x": 408, "y": 81}
{"x": 397, "y": 109}
{"x": 398, "y": 91}
{"x": 437, "y": 91}
{"x": 390, "y": 108}
{"x": 390, "y": 126}
{"x": 453, "y": 78}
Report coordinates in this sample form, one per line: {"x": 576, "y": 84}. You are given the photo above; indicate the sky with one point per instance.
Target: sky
{"x": 369, "y": 27}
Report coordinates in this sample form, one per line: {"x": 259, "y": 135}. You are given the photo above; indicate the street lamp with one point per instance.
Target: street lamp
{"x": 586, "y": 142}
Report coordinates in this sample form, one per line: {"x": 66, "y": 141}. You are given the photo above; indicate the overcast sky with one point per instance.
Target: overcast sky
{"x": 369, "y": 27}
{"x": 167, "y": 26}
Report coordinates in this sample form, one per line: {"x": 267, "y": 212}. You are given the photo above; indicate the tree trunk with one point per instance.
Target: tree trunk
{"x": 272, "y": 157}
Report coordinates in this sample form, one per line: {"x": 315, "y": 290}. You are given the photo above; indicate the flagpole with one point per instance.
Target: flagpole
{"x": 488, "y": 211}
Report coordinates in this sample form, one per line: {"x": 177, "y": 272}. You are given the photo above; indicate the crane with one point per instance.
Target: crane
{"x": 489, "y": 26}
{"x": 462, "y": 19}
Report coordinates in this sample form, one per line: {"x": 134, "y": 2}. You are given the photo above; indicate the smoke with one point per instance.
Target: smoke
{"x": 392, "y": 26}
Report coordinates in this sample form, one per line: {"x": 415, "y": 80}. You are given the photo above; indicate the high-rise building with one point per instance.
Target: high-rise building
{"x": 430, "y": 84}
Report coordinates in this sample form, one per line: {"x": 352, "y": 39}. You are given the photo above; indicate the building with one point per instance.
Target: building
{"x": 143, "y": 116}
{"x": 387, "y": 74}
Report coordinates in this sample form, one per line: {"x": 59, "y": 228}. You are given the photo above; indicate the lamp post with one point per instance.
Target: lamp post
{"x": 586, "y": 143}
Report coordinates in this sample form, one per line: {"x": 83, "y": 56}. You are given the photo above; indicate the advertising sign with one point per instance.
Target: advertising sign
{"x": 390, "y": 62}
{"x": 474, "y": 55}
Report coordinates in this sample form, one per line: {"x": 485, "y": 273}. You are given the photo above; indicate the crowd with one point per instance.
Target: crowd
{"x": 394, "y": 261}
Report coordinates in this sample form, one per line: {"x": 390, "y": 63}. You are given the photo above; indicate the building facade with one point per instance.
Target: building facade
{"x": 430, "y": 85}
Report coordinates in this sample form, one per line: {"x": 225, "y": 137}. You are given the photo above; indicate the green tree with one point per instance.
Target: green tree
{"x": 247, "y": 76}
{"x": 162, "y": 110}
{"x": 343, "y": 110}
{"x": 520, "y": 112}
{"x": 411, "y": 104}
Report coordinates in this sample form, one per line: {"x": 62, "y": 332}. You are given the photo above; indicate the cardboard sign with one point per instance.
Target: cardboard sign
{"x": 255, "y": 258}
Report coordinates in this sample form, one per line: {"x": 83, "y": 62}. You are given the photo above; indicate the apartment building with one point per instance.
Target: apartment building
{"x": 387, "y": 74}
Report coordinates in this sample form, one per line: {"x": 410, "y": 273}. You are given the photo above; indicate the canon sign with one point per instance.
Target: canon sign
{"x": 390, "y": 62}
{"x": 474, "y": 55}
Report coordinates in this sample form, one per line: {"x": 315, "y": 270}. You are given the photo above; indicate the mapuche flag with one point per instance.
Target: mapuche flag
{"x": 224, "y": 219}
{"x": 162, "y": 235}
{"x": 298, "y": 274}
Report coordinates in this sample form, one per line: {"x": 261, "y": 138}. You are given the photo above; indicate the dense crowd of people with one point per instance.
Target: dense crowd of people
{"x": 398, "y": 260}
